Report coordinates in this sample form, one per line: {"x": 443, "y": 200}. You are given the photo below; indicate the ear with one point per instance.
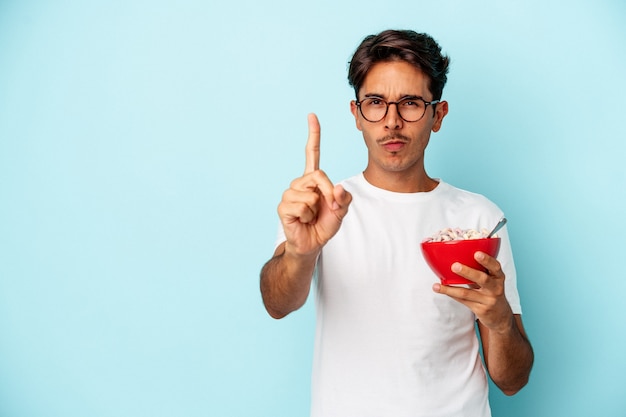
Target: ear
{"x": 441, "y": 110}
{"x": 355, "y": 112}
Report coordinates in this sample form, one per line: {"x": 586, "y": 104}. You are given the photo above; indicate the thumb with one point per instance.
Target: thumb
{"x": 342, "y": 200}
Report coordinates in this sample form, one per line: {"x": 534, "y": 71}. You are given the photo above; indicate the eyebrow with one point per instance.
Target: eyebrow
{"x": 405, "y": 97}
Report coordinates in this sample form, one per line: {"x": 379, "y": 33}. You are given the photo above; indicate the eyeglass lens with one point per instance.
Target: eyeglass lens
{"x": 375, "y": 109}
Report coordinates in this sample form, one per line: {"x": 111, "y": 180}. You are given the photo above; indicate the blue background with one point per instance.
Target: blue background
{"x": 144, "y": 146}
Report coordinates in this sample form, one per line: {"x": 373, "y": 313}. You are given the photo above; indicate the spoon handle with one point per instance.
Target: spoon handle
{"x": 501, "y": 223}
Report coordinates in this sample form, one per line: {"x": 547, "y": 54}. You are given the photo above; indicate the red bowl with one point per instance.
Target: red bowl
{"x": 441, "y": 255}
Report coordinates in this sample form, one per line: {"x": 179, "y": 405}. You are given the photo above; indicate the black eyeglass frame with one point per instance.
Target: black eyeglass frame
{"x": 388, "y": 103}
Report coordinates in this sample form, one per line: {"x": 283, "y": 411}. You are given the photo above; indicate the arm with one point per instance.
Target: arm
{"x": 286, "y": 281}
{"x": 507, "y": 352}
{"x": 310, "y": 211}
{"x": 508, "y": 355}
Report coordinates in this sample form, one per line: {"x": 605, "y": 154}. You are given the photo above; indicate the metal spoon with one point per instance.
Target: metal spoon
{"x": 501, "y": 223}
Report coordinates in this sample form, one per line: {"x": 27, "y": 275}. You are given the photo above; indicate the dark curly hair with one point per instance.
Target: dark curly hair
{"x": 418, "y": 49}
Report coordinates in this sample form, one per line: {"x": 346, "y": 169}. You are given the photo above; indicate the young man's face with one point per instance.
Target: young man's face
{"x": 394, "y": 145}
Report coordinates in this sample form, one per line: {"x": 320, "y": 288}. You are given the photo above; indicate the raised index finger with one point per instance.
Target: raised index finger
{"x": 312, "y": 149}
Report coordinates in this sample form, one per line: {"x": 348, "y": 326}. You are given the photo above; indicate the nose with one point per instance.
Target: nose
{"x": 392, "y": 118}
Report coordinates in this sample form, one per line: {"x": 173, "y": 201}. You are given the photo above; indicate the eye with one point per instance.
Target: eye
{"x": 410, "y": 103}
{"x": 374, "y": 102}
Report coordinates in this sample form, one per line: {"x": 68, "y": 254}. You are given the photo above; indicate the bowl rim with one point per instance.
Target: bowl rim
{"x": 460, "y": 241}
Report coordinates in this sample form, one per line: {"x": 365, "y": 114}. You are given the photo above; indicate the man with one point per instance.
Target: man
{"x": 390, "y": 340}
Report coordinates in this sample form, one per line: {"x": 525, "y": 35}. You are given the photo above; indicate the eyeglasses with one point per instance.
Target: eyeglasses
{"x": 410, "y": 109}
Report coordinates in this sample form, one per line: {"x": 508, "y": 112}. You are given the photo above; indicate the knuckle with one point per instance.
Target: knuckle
{"x": 295, "y": 184}
{"x": 312, "y": 199}
{"x": 319, "y": 175}
{"x": 463, "y": 292}
{"x": 499, "y": 291}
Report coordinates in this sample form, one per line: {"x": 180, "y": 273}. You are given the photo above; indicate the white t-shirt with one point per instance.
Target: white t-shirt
{"x": 386, "y": 344}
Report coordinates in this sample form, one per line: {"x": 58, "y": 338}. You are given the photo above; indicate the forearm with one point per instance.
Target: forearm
{"x": 286, "y": 282}
{"x": 508, "y": 356}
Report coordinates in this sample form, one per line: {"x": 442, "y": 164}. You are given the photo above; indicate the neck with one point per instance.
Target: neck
{"x": 401, "y": 182}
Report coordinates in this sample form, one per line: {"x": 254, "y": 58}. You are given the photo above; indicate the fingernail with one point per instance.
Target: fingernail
{"x": 456, "y": 267}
